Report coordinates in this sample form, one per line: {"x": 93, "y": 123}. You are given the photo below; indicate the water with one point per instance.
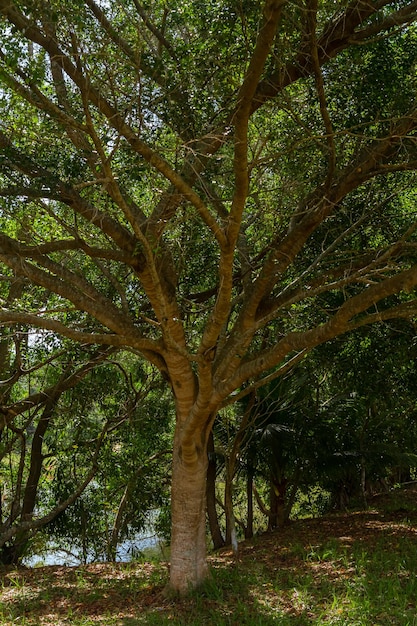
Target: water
{"x": 126, "y": 551}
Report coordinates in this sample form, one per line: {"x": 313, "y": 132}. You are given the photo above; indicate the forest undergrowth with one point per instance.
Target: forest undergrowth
{"x": 356, "y": 568}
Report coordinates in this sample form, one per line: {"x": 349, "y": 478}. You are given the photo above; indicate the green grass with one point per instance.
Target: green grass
{"x": 356, "y": 569}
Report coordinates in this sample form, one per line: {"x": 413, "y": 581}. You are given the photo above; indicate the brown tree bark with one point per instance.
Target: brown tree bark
{"x": 188, "y": 508}
{"x": 213, "y": 520}
{"x": 36, "y": 461}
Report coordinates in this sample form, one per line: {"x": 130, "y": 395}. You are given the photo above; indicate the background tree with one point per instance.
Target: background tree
{"x": 33, "y": 393}
{"x": 132, "y": 478}
{"x": 191, "y": 195}
{"x": 282, "y": 441}
{"x": 74, "y": 416}
{"x": 341, "y": 424}
{"x": 369, "y": 416}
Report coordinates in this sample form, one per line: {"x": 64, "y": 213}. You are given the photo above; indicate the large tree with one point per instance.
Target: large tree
{"x": 216, "y": 186}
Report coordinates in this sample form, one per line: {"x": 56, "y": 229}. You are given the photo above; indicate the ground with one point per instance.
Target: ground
{"x": 356, "y": 569}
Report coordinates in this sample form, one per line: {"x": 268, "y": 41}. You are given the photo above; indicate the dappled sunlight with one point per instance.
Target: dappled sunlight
{"x": 52, "y": 594}
{"x": 343, "y": 569}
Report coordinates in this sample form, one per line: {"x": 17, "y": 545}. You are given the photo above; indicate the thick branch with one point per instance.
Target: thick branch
{"x": 341, "y": 322}
{"x": 335, "y": 38}
{"x": 137, "y": 342}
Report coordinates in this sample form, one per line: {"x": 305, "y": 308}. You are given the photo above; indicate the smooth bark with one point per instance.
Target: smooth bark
{"x": 188, "y": 508}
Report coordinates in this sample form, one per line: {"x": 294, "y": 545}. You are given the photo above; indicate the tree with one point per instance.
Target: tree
{"x": 368, "y": 417}
{"x": 285, "y": 415}
{"x": 73, "y": 416}
{"x": 190, "y": 182}
{"x": 34, "y": 392}
{"x": 132, "y": 470}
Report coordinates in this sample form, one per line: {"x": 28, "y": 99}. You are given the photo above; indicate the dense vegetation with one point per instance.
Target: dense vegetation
{"x": 208, "y": 267}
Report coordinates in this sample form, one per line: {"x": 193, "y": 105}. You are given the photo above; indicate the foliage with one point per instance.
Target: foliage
{"x": 132, "y": 480}
{"x": 79, "y": 435}
{"x": 369, "y": 420}
{"x": 337, "y": 428}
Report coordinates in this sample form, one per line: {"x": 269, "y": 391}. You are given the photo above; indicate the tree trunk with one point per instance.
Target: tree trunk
{"x": 363, "y": 482}
{"x": 188, "y": 505}
{"x": 216, "y": 534}
{"x": 249, "y": 497}
{"x": 10, "y": 555}
{"x": 13, "y": 553}
{"x": 278, "y": 494}
{"x": 36, "y": 461}
{"x": 231, "y": 538}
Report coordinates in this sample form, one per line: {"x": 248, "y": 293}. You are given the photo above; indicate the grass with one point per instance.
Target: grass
{"x": 354, "y": 569}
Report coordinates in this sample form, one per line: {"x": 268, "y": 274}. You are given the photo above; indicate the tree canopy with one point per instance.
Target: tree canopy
{"x": 216, "y": 186}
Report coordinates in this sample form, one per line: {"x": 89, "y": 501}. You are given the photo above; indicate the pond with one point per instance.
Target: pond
{"x": 142, "y": 542}
{"x": 127, "y": 551}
